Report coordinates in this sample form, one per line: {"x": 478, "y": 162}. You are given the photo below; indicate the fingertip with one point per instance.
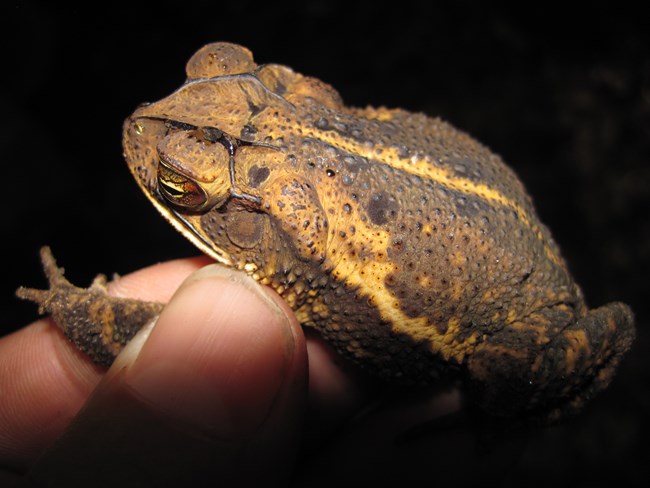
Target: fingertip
{"x": 219, "y": 355}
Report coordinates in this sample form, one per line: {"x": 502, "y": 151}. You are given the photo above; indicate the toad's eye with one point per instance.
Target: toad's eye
{"x": 179, "y": 189}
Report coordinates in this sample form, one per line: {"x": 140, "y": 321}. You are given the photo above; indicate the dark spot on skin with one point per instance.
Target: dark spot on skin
{"x": 257, "y": 175}
{"x": 441, "y": 327}
{"x": 382, "y": 208}
{"x": 254, "y": 109}
{"x": 248, "y": 131}
{"x": 390, "y": 280}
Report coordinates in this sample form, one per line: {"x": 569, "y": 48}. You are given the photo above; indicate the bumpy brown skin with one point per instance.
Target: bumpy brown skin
{"x": 412, "y": 248}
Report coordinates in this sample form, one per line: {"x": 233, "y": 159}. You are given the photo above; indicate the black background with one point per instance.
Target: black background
{"x": 563, "y": 96}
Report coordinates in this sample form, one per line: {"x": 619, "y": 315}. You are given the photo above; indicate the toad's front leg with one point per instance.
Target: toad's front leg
{"x": 97, "y": 323}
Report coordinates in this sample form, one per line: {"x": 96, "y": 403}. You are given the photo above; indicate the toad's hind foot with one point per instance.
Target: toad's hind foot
{"x": 98, "y": 324}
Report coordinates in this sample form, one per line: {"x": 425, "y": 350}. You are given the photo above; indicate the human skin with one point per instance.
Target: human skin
{"x": 220, "y": 388}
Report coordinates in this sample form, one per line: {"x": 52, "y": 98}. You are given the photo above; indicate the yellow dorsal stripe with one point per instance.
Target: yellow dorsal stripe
{"x": 422, "y": 167}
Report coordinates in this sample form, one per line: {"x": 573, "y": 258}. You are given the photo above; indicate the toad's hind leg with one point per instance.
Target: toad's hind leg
{"x": 592, "y": 349}
{"x": 550, "y": 375}
{"x": 98, "y": 324}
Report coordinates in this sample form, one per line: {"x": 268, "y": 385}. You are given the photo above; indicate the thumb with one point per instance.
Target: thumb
{"x": 214, "y": 392}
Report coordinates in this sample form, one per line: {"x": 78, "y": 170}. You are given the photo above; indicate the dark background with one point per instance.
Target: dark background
{"x": 563, "y": 96}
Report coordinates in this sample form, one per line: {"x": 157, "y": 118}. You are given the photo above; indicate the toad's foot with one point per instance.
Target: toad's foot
{"x": 98, "y": 324}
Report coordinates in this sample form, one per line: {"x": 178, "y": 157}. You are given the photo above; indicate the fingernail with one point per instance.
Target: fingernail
{"x": 218, "y": 355}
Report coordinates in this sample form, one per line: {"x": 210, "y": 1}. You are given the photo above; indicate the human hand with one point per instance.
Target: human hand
{"x": 215, "y": 392}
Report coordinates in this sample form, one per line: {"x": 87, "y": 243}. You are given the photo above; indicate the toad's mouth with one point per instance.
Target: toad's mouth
{"x": 184, "y": 225}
